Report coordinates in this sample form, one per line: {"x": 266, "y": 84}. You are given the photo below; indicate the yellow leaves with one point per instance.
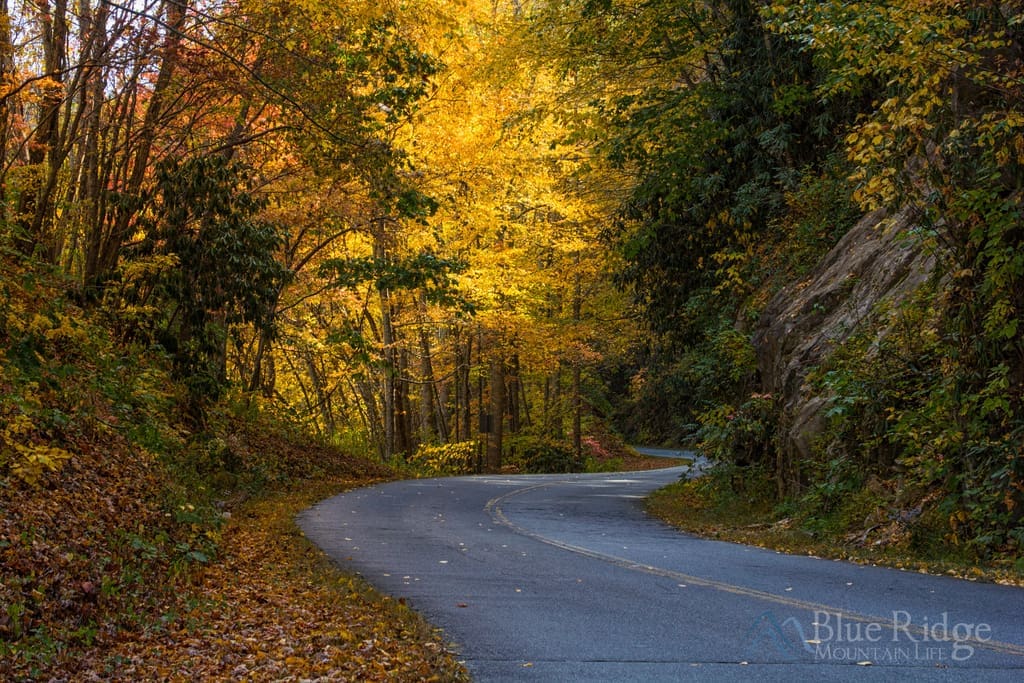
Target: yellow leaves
{"x": 39, "y": 324}
{"x": 446, "y": 459}
{"x": 26, "y": 459}
{"x": 878, "y": 191}
{"x": 136, "y": 269}
{"x": 45, "y": 89}
{"x": 35, "y": 460}
{"x": 731, "y": 271}
{"x": 48, "y": 85}
{"x": 56, "y": 327}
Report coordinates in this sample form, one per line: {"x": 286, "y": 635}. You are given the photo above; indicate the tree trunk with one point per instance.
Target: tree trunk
{"x": 577, "y": 412}
{"x": 525, "y": 403}
{"x": 322, "y": 399}
{"x": 265, "y": 333}
{"x": 6, "y": 73}
{"x": 497, "y": 411}
{"x": 441, "y": 413}
{"x": 403, "y": 436}
{"x": 466, "y": 387}
{"x": 577, "y": 371}
{"x": 429, "y": 429}
{"x": 481, "y": 394}
{"x": 33, "y": 210}
{"x": 514, "y": 408}
{"x": 390, "y": 389}
{"x": 106, "y": 248}
{"x": 373, "y": 414}
{"x": 88, "y": 189}
{"x": 553, "y": 408}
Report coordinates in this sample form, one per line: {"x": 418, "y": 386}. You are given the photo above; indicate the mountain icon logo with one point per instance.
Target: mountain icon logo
{"x": 786, "y": 638}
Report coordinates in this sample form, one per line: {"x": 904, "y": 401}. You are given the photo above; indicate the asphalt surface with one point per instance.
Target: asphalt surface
{"x": 564, "y": 578}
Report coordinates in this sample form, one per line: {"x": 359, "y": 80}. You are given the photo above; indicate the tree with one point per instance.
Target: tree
{"x": 944, "y": 137}
{"x": 206, "y": 223}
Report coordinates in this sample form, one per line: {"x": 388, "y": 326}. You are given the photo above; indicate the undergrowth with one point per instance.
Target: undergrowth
{"x": 137, "y": 542}
{"x": 872, "y": 522}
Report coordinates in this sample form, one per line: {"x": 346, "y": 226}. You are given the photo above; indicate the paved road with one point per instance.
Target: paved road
{"x": 563, "y": 578}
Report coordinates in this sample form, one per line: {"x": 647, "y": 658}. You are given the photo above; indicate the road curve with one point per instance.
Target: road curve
{"x": 564, "y": 578}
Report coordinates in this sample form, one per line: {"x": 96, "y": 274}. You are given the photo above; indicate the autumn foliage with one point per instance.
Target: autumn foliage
{"x": 462, "y": 236}
{"x": 131, "y": 557}
{"x": 756, "y": 135}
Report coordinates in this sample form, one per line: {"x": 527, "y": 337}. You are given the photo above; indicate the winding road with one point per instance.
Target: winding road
{"x": 564, "y": 578}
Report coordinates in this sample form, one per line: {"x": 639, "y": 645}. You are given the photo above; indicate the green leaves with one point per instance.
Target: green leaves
{"x": 433, "y": 275}
{"x": 713, "y": 151}
{"x": 227, "y": 272}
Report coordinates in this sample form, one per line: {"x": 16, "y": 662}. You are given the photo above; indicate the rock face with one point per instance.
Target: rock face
{"x": 806, "y": 321}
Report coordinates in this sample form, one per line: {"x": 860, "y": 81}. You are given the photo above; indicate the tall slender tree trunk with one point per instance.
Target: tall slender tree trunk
{"x": 577, "y": 412}
{"x": 465, "y": 371}
{"x": 403, "y": 422}
{"x": 306, "y": 398}
{"x": 87, "y": 191}
{"x": 374, "y": 413}
{"x": 388, "y": 343}
{"x": 577, "y": 371}
{"x": 481, "y": 396}
{"x": 514, "y": 409}
{"x": 265, "y": 337}
{"x": 256, "y": 379}
{"x": 33, "y": 211}
{"x": 429, "y": 427}
{"x": 497, "y": 391}
{"x": 323, "y": 401}
{"x": 524, "y": 401}
{"x": 6, "y": 74}
{"x": 553, "y": 405}
{"x": 442, "y": 416}
{"x": 390, "y": 384}
{"x": 459, "y": 397}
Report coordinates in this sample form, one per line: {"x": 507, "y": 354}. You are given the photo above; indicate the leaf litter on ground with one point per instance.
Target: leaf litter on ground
{"x": 274, "y": 608}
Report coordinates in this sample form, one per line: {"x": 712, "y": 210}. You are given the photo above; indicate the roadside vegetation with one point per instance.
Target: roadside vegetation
{"x": 861, "y": 527}
{"x": 138, "y": 544}
{"x": 822, "y": 233}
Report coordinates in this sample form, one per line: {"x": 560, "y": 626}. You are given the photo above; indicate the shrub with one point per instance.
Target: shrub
{"x": 542, "y": 455}
{"x": 446, "y": 459}
{"x": 741, "y": 435}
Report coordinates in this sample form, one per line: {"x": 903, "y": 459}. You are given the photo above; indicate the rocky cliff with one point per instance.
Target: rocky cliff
{"x": 875, "y": 262}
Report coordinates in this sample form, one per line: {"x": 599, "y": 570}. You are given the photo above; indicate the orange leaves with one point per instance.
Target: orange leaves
{"x": 274, "y": 609}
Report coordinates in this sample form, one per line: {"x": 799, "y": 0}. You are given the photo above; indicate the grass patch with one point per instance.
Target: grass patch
{"x": 864, "y": 526}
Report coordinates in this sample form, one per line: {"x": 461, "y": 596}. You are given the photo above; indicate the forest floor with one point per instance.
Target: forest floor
{"x": 104, "y": 579}
{"x": 274, "y": 608}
